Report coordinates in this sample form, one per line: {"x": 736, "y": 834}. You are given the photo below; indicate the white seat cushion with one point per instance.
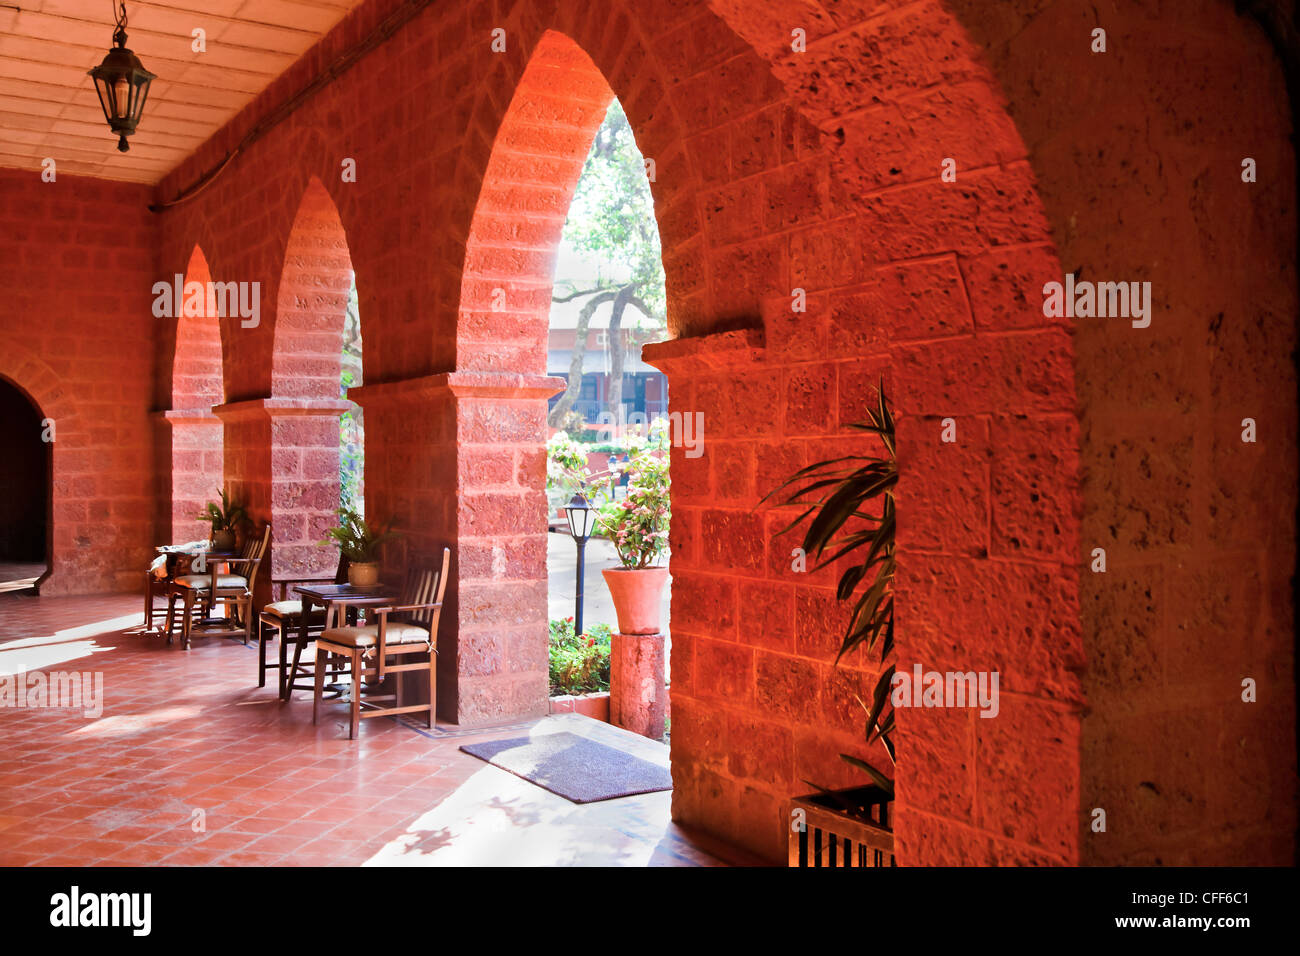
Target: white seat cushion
{"x": 368, "y": 636}
{"x": 204, "y": 581}
{"x": 291, "y": 609}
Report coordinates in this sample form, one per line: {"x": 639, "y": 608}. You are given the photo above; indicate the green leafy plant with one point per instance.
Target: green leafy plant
{"x": 357, "y": 540}
{"x": 227, "y": 516}
{"x": 579, "y": 663}
{"x": 566, "y": 465}
{"x": 638, "y": 523}
{"x": 848, "y": 505}
{"x": 352, "y": 429}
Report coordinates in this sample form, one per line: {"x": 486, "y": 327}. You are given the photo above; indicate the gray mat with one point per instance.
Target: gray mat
{"x": 577, "y": 768}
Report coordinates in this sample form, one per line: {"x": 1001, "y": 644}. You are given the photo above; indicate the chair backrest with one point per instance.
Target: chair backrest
{"x": 426, "y": 586}
{"x": 255, "y": 546}
{"x": 341, "y": 576}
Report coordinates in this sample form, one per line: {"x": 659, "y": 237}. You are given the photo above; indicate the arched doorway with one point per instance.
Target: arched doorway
{"x": 607, "y": 301}
{"x": 316, "y": 359}
{"x": 25, "y": 489}
{"x": 194, "y": 449}
{"x": 500, "y": 662}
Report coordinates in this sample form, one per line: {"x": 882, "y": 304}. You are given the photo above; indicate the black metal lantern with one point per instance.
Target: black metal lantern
{"x": 122, "y": 83}
{"x": 582, "y": 522}
{"x": 582, "y": 518}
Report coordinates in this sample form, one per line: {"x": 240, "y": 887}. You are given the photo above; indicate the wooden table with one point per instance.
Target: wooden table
{"x": 335, "y": 599}
{"x": 180, "y": 561}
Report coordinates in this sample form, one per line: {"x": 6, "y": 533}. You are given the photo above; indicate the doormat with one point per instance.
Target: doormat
{"x": 574, "y": 767}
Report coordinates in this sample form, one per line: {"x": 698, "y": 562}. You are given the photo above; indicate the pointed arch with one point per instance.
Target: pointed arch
{"x": 192, "y": 444}
{"x": 527, "y": 187}
{"x": 312, "y": 300}
{"x": 305, "y": 403}
{"x": 197, "y": 358}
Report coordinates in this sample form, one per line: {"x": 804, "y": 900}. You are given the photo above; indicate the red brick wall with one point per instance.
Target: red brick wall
{"x": 1198, "y": 527}
{"x": 77, "y": 264}
{"x": 752, "y": 201}
{"x": 819, "y": 170}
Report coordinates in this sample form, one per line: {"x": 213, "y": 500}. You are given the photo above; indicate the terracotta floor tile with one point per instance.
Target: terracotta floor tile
{"x": 190, "y": 731}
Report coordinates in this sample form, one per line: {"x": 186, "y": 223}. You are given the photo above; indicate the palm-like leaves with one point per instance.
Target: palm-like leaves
{"x": 848, "y": 504}
{"x": 357, "y": 540}
{"x": 227, "y": 516}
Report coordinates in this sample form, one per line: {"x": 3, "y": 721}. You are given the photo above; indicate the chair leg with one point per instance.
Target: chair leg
{"x": 171, "y": 613}
{"x": 320, "y": 683}
{"x": 358, "y": 672}
{"x": 187, "y": 621}
{"x": 246, "y": 612}
{"x": 293, "y": 671}
{"x": 281, "y": 636}
{"x": 261, "y": 652}
{"x": 433, "y": 684}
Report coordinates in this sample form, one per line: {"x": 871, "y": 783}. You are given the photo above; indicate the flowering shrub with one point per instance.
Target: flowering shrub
{"x": 638, "y": 524}
{"x": 579, "y": 662}
{"x": 566, "y": 464}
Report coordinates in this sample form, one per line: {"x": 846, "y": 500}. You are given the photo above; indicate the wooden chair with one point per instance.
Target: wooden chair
{"x": 284, "y": 619}
{"x": 155, "y": 586}
{"x": 409, "y": 627}
{"x": 207, "y": 589}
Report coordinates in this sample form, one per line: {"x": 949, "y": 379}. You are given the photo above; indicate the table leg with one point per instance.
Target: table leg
{"x": 297, "y": 651}
{"x": 283, "y": 640}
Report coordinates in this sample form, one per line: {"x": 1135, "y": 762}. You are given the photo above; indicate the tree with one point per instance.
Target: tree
{"x": 611, "y": 219}
{"x": 352, "y": 448}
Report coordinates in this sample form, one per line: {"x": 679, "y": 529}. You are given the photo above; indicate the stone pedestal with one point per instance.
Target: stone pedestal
{"x": 636, "y": 683}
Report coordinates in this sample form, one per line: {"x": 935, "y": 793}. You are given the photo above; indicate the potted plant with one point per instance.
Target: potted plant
{"x": 359, "y": 542}
{"x": 848, "y": 504}
{"x": 638, "y": 527}
{"x": 225, "y": 519}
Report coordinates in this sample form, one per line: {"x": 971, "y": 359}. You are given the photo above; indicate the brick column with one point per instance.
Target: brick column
{"x": 190, "y": 448}
{"x": 459, "y": 459}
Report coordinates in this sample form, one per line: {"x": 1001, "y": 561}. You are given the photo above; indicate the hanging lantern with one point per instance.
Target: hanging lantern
{"x": 122, "y": 83}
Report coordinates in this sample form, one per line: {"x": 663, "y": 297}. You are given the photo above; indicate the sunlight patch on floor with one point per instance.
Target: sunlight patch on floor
{"x": 497, "y": 819}
{"x": 70, "y": 644}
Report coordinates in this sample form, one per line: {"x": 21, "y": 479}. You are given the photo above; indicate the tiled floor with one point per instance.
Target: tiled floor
{"x": 16, "y": 576}
{"x": 190, "y": 763}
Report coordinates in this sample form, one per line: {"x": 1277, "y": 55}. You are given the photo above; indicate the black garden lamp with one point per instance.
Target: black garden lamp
{"x": 582, "y": 522}
{"x": 122, "y": 83}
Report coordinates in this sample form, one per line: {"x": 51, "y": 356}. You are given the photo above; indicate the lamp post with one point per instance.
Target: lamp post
{"x": 582, "y": 520}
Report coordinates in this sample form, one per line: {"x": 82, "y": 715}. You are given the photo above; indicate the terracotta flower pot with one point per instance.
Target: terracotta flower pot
{"x": 363, "y": 575}
{"x": 636, "y": 595}
{"x": 223, "y": 541}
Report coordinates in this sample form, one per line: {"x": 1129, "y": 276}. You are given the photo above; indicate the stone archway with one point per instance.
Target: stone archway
{"x": 305, "y": 406}
{"x": 40, "y": 386}
{"x": 190, "y": 451}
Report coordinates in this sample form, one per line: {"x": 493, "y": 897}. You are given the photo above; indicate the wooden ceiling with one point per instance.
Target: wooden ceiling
{"x": 48, "y": 106}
